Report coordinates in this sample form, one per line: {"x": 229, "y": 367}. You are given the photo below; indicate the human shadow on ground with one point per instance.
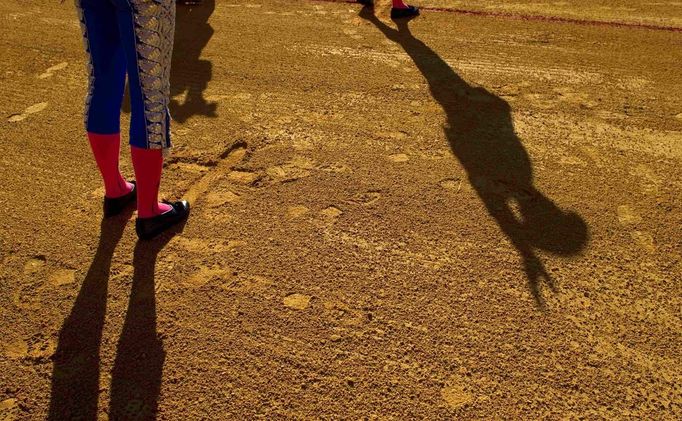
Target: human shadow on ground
{"x": 138, "y": 367}
{"x": 481, "y": 135}
{"x": 76, "y": 362}
{"x": 190, "y": 74}
{"x": 136, "y": 376}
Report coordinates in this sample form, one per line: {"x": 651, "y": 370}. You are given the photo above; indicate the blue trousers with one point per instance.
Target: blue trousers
{"x": 133, "y": 38}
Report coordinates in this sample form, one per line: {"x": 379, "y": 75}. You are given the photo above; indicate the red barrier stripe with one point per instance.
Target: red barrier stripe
{"x": 541, "y": 18}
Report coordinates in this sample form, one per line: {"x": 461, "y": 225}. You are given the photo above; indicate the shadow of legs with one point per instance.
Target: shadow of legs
{"x": 75, "y": 373}
{"x": 136, "y": 376}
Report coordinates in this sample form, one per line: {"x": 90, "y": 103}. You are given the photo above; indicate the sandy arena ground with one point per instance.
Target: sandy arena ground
{"x": 470, "y": 216}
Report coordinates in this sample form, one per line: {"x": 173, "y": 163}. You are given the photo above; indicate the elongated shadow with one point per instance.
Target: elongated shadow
{"x": 481, "y": 135}
{"x": 138, "y": 367}
{"x": 190, "y": 74}
{"x": 76, "y": 362}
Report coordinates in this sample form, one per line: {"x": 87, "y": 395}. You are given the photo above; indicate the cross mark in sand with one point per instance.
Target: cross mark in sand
{"x": 231, "y": 157}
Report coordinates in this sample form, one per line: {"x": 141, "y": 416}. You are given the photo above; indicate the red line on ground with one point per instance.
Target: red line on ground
{"x": 541, "y": 18}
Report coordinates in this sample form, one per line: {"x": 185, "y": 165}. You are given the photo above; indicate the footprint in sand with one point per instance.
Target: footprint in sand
{"x": 645, "y": 240}
{"x": 593, "y": 154}
{"x": 20, "y": 15}
{"x": 243, "y": 96}
{"x": 62, "y": 277}
{"x": 43, "y": 348}
{"x": 572, "y": 161}
{"x": 26, "y": 298}
{"x": 298, "y": 167}
{"x": 352, "y": 33}
{"x": 335, "y": 167}
{"x": 9, "y": 409}
{"x": 394, "y": 135}
{"x": 453, "y": 184}
{"x": 243, "y": 177}
{"x": 399, "y": 158}
{"x": 37, "y": 347}
{"x": 218, "y": 199}
{"x": 344, "y": 314}
{"x": 331, "y": 213}
{"x": 297, "y": 211}
{"x": 34, "y": 265}
{"x": 297, "y": 301}
{"x": 288, "y": 172}
{"x": 580, "y": 99}
{"x": 206, "y": 274}
{"x": 16, "y": 349}
{"x": 456, "y": 396}
{"x": 250, "y": 284}
{"x": 542, "y": 101}
{"x": 456, "y": 393}
{"x": 35, "y": 108}
{"x": 302, "y": 144}
{"x": 610, "y": 115}
{"x": 650, "y": 181}
{"x": 509, "y": 90}
{"x": 366, "y": 198}
{"x": 51, "y": 71}
{"x": 627, "y": 215}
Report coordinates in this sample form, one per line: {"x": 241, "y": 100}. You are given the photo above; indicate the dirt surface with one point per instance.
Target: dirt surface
{"x": 466, "y": 216}
{"x": 661, "y": 13}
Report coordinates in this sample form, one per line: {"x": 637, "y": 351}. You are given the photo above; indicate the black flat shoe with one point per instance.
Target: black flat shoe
{"x": 116, "y": 205}
{"x": 369, "y": 3}
{"x": 148, "y": 228}
{"x": 409, "y": 12}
